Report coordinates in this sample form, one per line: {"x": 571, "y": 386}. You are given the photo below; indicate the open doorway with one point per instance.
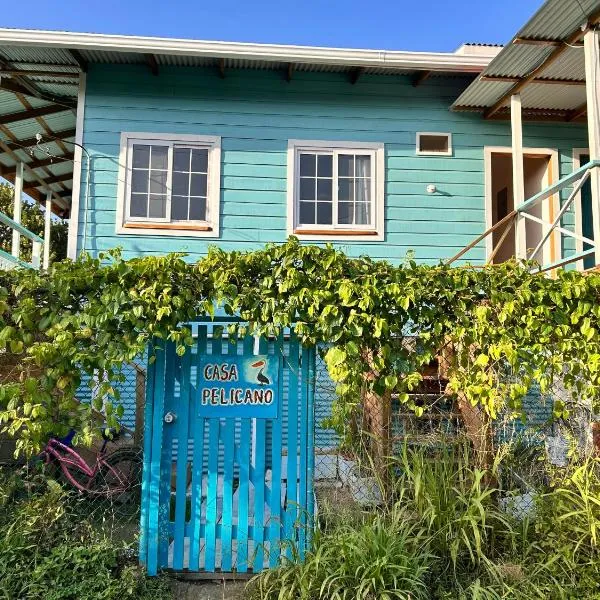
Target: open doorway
{"x": 538, "y": 174}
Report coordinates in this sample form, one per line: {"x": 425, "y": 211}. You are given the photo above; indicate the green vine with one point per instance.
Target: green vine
{"x": 507, "y": 328}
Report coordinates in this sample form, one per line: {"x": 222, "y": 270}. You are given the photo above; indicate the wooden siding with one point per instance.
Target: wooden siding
{"x": 256, "y": 112}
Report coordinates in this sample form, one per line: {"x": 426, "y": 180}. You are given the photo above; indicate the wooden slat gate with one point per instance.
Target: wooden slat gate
{"x": 230, "y": 493}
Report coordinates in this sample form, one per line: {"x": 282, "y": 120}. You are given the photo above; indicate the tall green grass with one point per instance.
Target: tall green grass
{"x": 442, "y": 536}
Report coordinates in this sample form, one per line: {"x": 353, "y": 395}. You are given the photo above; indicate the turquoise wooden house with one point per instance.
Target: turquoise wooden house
{"x": 158, "y": 145}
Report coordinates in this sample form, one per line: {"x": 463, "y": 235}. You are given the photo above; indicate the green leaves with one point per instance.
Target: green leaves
{"x": 382, "y": 324}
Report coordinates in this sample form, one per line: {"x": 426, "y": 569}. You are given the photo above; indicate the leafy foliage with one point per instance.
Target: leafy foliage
{"x": 443, "y": 537}
{"x": 507, "y": 328}
{"x": 48, "y": 551}
{"x": 32, "y": 217}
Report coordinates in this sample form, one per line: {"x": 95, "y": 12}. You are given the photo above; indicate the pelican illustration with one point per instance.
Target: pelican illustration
{"x": 260, "y": 376}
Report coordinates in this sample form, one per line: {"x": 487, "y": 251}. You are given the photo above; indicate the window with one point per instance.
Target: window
{"x": 430, "y": 143}
{"x": 335, "y": 189}
{"x": 169, "y": 183}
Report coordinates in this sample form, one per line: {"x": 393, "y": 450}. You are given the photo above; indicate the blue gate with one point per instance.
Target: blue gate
{"x": 228, "y": 454}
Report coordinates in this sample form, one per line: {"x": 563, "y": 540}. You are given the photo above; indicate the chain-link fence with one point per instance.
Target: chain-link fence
{"x": 522, "y": 452}
{"x": 103, "y": 482}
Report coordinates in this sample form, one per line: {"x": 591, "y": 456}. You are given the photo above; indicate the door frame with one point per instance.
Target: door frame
{"x": 549, "y": 209}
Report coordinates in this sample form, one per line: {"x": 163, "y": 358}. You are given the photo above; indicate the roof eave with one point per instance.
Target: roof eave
{"x": 433, "y": 61}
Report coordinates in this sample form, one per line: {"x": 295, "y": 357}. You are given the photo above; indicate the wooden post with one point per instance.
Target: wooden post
{"x": 47, "y": 229}
{"x": 16, "y": 236}
{"x": 592, "y": 88}
{"x": 140, "y": 401}
{"x": 518, "y": 172}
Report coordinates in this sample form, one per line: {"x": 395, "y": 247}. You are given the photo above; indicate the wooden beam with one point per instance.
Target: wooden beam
{"x": 538, "y": 42}
{"x": 37, "y": 164}
{"x": 578, "y": 112}
{"x": 47, "y": 229}
{"x": 500, "y": 79}
{"x": 51, "y": 180}
{"x": 31, "y": 89}
{"x": 289, "y": 71}
{"x": 221, "y": 68}
{"x": 38, "y": 73}
{"x": 60, "y": 135}
{"x": 78, "y": 58}
{"x": 152, "y": 64}
{"x": 32, "y": 113}
{"x": 17, "y": 205}
{"x": 355, "y": 74}
{"x": 554, "y": 55}
{"x": 420, "y": 77}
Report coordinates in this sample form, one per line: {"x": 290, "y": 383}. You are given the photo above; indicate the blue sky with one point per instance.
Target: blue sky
{"x": 435, "y": 25}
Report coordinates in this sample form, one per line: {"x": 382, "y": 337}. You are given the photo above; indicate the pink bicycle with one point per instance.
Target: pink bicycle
{"x": 115, "y": 475}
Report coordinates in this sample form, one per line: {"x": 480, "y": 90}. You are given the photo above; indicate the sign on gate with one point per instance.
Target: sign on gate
{"x": 239, "y": 386}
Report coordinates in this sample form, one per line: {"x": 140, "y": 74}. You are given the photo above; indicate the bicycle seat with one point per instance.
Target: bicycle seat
{"x": 110, "y": 435}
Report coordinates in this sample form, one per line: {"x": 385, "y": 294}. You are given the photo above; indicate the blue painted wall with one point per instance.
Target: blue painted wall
{"x": 256, "y": 112}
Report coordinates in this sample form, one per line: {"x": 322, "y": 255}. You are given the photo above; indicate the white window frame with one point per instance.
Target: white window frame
{"x": 164, "y": 226}
{"x": 367, "y": 233}
{"x": 425, "y": 152}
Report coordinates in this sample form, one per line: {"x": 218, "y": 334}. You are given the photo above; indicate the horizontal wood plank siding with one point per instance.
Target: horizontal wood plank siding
{"x": 257, "y": 112}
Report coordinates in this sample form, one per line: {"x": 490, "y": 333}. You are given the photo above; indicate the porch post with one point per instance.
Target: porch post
{"x": 16, "y": 236}
{"x": 47, "y": 229}
{"x": 592, "y": 88}
{"x": 518, "y": 175}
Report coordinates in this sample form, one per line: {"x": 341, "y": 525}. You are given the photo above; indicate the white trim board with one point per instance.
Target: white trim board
{"x": 554, "y": 164}
{"x": 378, "y": 150}
{"x": 214, "y": 184}
{"x": 350, "y": 57}
{"x": 77, "y": 157}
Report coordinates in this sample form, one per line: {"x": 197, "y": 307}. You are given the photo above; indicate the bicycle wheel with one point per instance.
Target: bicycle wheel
{"x": 119, "y": 478}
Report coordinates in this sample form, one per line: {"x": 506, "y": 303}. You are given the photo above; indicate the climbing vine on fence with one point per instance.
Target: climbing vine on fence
{"x": 507, "y": 328}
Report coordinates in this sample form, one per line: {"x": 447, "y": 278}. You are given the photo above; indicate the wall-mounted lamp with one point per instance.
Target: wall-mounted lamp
{"x": 431, "y": 189}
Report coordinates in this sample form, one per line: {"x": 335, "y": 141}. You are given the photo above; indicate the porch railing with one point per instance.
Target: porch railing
{"x": 10, "y": 261}
{"x": 518, "y": 217}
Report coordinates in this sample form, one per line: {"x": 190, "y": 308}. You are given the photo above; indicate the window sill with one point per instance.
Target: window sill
{"x": 168, "y": 226}
{"x": 334, "y": 232}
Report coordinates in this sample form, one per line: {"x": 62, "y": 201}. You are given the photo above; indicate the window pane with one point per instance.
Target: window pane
{"x": 307, "y": 189}
{"x": 198, "y": 209}
{"x": 324, "y": 165}
{"x": 308, "y": 165}
{"x": 158, "y": 182}
{"x": 179, "y": 208}
{"x": 159, "y": 157}
{"x": 139, "y": 181}
{"x": 324, "y": 189}
{"x": 363, "y": 166}
{"x": 362, "y": 213}
{"x": 200, "y": 161}
{"x": 139, "y": 205}
{"x": 141, "y": 156}
{"x": 362, "y": 189}
{"x": 198, "y": 187}
{"x": 181, "y": 184}
{"x": 346, "y": 165}
{"x": 345, "y": 213}
{"x": 157, "y": 208}
{"x": 307, "y": 213}
{"x": 181, "y": 159}
{"x": 346, "y": 189}
{"x": 324, "y": 213}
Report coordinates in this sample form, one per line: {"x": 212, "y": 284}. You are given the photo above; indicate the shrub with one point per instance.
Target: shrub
{"x": 47, "y": 552}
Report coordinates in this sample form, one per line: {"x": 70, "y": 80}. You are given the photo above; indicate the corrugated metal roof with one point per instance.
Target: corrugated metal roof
{"x": 556, "y": 21}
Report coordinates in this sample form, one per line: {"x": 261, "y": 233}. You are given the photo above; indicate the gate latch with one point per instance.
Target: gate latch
{"x": 169, "y": 417}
